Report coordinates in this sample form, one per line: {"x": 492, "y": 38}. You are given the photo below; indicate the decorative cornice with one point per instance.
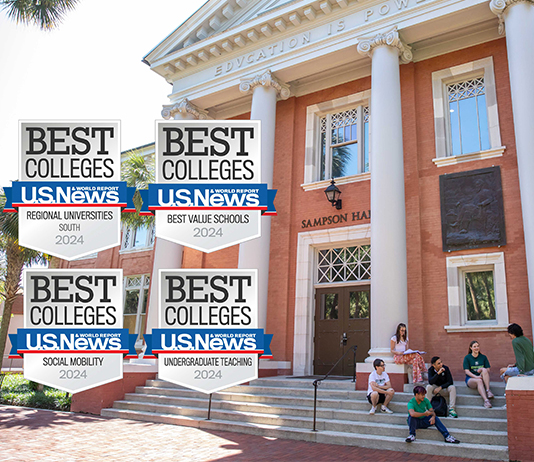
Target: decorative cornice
{"x": 366, "y": 45}
{"x": 498, "y": 7}
{"x": 265, "y": 79}
{"x": 184, "y": 107}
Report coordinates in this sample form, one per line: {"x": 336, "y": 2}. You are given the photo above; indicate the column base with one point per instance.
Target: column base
{"x": 398, "y": 375}
{"x": 379, "y": 353}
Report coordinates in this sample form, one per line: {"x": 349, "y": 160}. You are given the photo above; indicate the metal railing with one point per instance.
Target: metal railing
{"x": 318, "y": 381}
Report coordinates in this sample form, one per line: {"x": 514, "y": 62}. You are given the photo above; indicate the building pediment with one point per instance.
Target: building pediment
{"x": 224, "y": 27}
{"x": 308, "y": 44}
{"x": 214, "y": 17}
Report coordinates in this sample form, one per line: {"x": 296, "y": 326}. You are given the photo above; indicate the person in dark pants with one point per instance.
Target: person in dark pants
{"x": 423, "y": 416}
{"x": 440, "y": 381}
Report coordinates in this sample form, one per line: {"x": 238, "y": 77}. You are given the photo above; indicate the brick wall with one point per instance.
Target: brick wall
{"x": 520, "y": 409}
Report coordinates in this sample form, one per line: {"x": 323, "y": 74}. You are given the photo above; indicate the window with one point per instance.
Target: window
{"x": 477, "y": 293}
{"x": 344, "y": 143}
{"x": 329, "y": 306}
{"x": 344, "y": 264}
{"x": 359, "y": 304}
{"x": 466, "y": 120}
{"x": 337, "y": 141}
{"x": 467, "y": 116}
{"x": 135, "y": 303}
{"x": 138, "y": 238}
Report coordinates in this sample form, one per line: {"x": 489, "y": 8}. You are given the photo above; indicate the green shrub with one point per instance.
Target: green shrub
{"x": 17, "y": 391}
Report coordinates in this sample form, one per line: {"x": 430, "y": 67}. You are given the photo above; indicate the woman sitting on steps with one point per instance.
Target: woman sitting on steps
{"x": 476, "y": 367}
{"x": 399, "y": 344}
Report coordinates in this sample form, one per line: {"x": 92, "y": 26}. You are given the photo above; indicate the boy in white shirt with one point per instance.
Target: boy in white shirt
{"x": 379, "y": 390}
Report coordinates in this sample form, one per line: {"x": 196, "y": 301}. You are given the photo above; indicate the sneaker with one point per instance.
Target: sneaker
{"x": 490, "y": 394}
{"x": 487, "y": 404}
{"x": 373, "y": 410}
{"x": 452, "y": 412}
{"x": 410, "y": 439}
{"x": 451, "y": 439}
{"x": 386, "y": 410}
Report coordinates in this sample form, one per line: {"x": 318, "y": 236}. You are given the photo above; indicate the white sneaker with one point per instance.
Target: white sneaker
{"x": 386, "y": 410}
{"x": 373, "y": 410}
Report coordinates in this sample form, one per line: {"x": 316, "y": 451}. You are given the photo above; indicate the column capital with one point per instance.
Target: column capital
{"x": 366, "y": 45}
{"x": 184, "y": 107}
{"x": 498, "y": 7}
{"x": 266, "y": 79}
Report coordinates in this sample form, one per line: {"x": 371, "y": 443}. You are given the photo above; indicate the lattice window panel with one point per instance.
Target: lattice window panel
{"x": 344, "y": 264}
{"x": 467, "y": 89}
{"x": 127, "y": 238}
{"x": 366, "y": 113}
{"x": 134, "y": 282}
{"x": 343, "y": 119}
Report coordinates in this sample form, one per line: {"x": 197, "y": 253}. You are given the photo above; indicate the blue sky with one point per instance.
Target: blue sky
{"x": 90, "y": 68}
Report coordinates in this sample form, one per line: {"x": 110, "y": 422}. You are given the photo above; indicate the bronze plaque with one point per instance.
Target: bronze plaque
{"x": 472, "y": 212}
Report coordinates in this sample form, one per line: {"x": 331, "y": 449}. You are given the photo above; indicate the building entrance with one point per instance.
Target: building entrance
{"x": 341, "y": 321}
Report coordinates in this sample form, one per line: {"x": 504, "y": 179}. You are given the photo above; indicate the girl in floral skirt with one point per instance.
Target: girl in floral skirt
{"x": 399, "y": 344}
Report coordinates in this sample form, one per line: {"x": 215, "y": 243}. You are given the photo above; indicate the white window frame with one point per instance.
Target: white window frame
{"x": 149, "y": 243}
{"x": 457, "y": 266}
{"x": 145, "y": 284}
{"x": 440, "y": 80}
{"x": 313, "y": 139}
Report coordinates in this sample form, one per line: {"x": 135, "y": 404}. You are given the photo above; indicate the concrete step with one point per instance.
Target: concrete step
{"x": 337, "y": 383}
{"x": 355, "y": 400}
{"x": 331, "y": 424}
{"x": 425, "y": 443}
{"x": 306, "y": 410}
{"x": 497, "y": 388}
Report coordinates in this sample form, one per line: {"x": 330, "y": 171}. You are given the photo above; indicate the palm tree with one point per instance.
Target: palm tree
{"x": 137, "y": 171}
{"x": 16, "y": 257}
{"x": 47, "y": 14}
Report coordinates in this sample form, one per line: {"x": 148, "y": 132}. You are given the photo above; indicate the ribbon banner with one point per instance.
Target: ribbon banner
{"x": 209, "y": 194}
{"x": 208, "y": 337}
{"x": 46, "y": 341}
{"x": 73, "y": 337}
{"x": 188, "y": 341}
{"x": 69, "y": 197}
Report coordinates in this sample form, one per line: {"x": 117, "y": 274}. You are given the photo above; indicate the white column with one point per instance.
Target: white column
{"x": 255, "y": 253}
{"x": 168, "y": 254}
{"x": 389, "y": 291}
{"x": 518, "y": 19}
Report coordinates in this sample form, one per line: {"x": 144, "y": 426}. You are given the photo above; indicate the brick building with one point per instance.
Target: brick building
{"x": 421, "y": 111}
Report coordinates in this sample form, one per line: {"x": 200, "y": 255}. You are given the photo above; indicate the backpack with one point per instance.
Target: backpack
{"x": 439, "y": 404}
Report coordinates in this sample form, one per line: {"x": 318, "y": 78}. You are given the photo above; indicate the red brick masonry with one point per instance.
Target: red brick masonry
{"x": 46, "y": 436}
{"x": 94, "y": 400}
{"x": 520, "y": 407}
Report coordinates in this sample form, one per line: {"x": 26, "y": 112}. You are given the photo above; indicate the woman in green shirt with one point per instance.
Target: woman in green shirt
{"x": 477, "y": 366}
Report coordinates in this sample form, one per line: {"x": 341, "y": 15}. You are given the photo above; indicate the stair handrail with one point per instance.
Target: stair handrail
{"x": 316, "y": 382}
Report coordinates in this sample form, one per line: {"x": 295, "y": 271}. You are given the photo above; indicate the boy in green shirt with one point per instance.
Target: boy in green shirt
{"x": 524, "y": 354}
{"x": 423, "y": 416}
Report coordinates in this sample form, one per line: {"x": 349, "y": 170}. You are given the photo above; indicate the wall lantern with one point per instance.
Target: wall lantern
{"x": 332, "y": 194}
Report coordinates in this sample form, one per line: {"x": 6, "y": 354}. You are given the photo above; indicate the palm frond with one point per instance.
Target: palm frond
{"x": 47, "y": 14}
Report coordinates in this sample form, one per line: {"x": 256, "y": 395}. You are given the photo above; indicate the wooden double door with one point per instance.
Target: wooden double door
{"x": 341, "y": 321}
